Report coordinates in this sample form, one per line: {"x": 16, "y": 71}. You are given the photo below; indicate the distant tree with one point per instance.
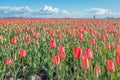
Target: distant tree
{"x": 94, "y": 16}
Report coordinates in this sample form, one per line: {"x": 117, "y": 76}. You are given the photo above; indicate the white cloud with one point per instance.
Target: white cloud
{"x": 114, "y": 13}
{"x": 102, "y": 12}
{"x": 64, "y": 12}
{"x": 29, "y": 12}
{"x": 50, "y": 9}
{"x": 6, "y": 9}
{"x": 98, "y": 11}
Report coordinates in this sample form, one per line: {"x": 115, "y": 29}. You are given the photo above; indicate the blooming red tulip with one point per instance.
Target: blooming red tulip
{"x": 22, "y": 53}
{"x": 118, "y": 60}
{"x": 110, "y": 66}
{"x": 8, "y": 62}
{"x": 85, "y": 63}
{"x": 56, "y": 60}
{"x": 13, "y": 40}
{"x": 27, "y": 40}
{"x": 88, "y": 53}
{"x": 61, "y": 48}
{"x": 62, "y": 55}
{"x": 52, "y": 43}
{"x": 97, "y": 70}
{"x": 77, "y": 51}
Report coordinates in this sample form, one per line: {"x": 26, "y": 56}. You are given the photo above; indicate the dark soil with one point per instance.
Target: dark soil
{"x": 41, "y": 75}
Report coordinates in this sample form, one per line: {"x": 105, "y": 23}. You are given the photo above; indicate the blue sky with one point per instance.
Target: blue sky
{"x": 60, "y": 8}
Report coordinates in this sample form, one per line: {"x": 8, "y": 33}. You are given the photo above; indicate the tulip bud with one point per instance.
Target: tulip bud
{"x": 88, "y": 53}
{"x": 118, "y": 60}
{"x": 52, "y": 43}
{"x": 85, "y": 63}
{"x": 56, "y": 60}
{"x": 62, "y": 55}
{"x": 8, "y": 62}
{"x": 110, "y": 66}
{"x": 77, "y": 51}
{"x": 22, "y": 53}
{"x": 97, "y": 71}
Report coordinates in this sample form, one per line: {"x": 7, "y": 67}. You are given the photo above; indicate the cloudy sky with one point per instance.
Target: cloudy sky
{"x": 60, "y": 8}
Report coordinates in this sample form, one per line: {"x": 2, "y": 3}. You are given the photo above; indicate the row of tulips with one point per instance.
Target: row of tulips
{"x": 88, "y": 55}
{"x": 67, "y": 49}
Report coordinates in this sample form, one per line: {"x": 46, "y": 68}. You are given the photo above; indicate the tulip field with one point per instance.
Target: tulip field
{"x": 59, "y": 49}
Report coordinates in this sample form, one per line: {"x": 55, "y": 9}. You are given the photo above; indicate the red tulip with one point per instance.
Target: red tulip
{"x": 110, "y": 66}
{"x": 52, "y": 33}
{"x": 19, "y": 30}
{"x": 85, "y": 27}
{"x": 56, "y": 60}
{"x": 88, "y": 53}
{"x": 13, "y": 40}
{"x": 108, "y": 47}
{"x": 36, "y": 35}
{"x": 59, "y": 36}
{"x": 98, "y": 34}
{"x": 31, "y": 30}
{"x": 92, "y": 34}
{"x": 61, "y": 48}
{"x": 85, "y": 63}
{"x": 27, "y": 40}
{"x": 80, "y": 36}
{"x": 62, "y": 55}
{"x": 118, "y": 60}
{"x": 104, "y": 36}
{"x": 52, "y": 43}
{"x": 118, "y": 49}
{"x": 81, "y": 29}
{"x": 77, "y": 51}
{"x": 117, "y": 36}
{"x": 22, "y": 53}
{"x": 83, "y": 39}
{"x": 8, "y": 62}
{"x": 92, "y": 41}
{"x": 97, "y": 70}
{"x": 57, "y": 30}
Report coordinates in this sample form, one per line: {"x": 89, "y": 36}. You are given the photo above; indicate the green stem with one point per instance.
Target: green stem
{"x": 22, "y": 65}
{"x": 77, "y": 72}
{"x": 110, "y": 76}
{"x": 57, "y": 72}
{"x": 85, "y": 75}
{"x": 96, "y": 76}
